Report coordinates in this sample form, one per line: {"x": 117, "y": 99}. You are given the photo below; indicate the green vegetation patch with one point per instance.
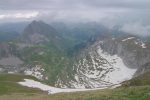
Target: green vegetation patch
{"x": 8, "y": 84}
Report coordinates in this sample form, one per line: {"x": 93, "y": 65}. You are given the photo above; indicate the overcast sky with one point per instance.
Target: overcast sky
{"x": 128, "y": 13}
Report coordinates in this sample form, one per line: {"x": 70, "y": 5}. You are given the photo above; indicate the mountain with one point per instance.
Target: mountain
{"x": 38, "y": 32}
{"x": 39, "y": 51}
{"x": 109, "y": 61}
{"x": 65, "y": 60}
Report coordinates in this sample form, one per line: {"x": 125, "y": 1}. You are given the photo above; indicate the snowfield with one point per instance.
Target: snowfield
{"x": 53, "y": 90}
{"x": 120, "y": 71}
{"x": 100, "y": 70}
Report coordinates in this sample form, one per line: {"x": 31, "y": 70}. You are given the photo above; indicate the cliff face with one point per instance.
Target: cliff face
{"x": 6, "y": 50}
{"x": 9, "y": 58}
{"x": 134, "y": 52}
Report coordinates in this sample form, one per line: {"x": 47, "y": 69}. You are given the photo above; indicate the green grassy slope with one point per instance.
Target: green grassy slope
{"x": 132, "y": 91}
{"x": 128, "y": 93}
{"x": 8, "y": 84}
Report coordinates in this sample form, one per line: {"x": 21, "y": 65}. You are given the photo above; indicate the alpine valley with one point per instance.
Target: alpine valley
{"x": 82, "y": 56}
{"x": 72, "y": 55}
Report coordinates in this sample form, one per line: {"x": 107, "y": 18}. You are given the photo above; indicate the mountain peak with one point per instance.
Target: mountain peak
{"x": 37, "y": 22}
{"x": 38, "y": 32}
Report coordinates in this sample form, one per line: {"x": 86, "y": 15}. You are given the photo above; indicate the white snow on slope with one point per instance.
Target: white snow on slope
{"x": 128, "y": 39}
{"x": 143, "y": 45}
{"x": 36, "y": 72}
{"x": 140, "y": 43}
{"x": 50, "y": 89}
{"x": 101, "y": 70}
{"x": 120, "y": 71}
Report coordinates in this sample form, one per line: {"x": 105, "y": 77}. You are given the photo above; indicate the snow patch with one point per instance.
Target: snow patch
{"x": 50, "y": 89}
{"x": 11, "y": 72}
{"x": 140, "y": 43}
{"x": 120, "y": 71}
{"x": 36, "y": 72}
{"x": 143, "y": 45}
{"x": 128, "y": 39}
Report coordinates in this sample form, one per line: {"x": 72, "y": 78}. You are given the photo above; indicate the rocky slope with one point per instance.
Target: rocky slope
{"x": 108, "y": 62}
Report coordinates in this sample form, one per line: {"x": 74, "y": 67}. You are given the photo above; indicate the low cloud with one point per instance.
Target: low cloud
{"x": 108, "y": 12}
{"x": 18, "y": 15}
{"x": 136, "y": 29}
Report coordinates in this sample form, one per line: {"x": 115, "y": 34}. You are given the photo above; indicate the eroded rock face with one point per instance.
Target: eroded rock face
{"x": 14, "y": 61}
{"x": 108, "y": 62}
{"x": 134, "y": 52}
{"x": 143, "y": 69}
{"x": 9, "y": 60}
{"x": 5, "y": 50}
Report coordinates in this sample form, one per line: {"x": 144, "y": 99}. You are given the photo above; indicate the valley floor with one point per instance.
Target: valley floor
{"x": 137, "y": 88}
{"x": 123, "y": 93}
